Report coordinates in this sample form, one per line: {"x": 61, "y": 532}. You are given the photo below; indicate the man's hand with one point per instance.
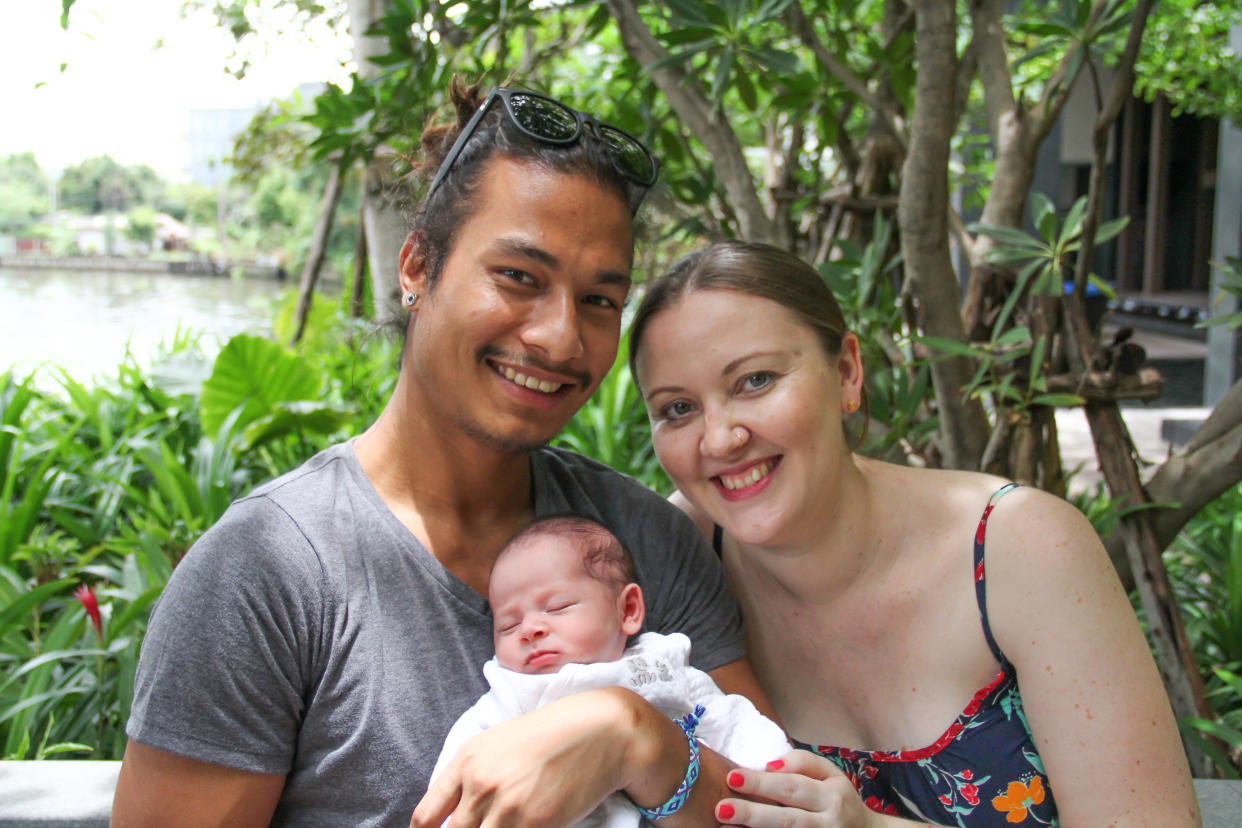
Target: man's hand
{"x": 551, "y": 767}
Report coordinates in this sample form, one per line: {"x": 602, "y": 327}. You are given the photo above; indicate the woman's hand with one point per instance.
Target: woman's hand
{"x": 804, "y": 791}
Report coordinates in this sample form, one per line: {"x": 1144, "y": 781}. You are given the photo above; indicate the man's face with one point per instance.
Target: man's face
{"x": 549, "y": 612}
{"x": 523, "y": 322}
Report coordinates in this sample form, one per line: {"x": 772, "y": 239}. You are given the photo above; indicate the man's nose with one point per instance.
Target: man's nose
{"x": 554, "y": 327}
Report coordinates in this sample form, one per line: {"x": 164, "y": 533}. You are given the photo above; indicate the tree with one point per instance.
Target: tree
{"x": 100, "y": 184}
{"x": 23, "y": 192}
{"x": 804, "y": 123}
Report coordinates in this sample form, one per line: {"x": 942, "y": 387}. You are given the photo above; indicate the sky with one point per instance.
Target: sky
{"x": 134, "y": 69}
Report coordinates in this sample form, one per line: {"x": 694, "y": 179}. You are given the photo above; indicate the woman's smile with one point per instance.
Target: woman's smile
{"x": 747, "y": 480}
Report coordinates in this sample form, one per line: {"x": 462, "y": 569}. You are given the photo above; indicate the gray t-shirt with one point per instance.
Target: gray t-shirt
{"x": 309, "y": 633}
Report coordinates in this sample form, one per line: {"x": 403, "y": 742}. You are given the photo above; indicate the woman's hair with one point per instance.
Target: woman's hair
{"x": 756, "y": 270}
{"x": 437, "y": 219}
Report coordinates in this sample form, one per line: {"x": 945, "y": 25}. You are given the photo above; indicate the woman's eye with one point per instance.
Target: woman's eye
{"x": 758, "y": 380}
{"x": 676, "y": 410}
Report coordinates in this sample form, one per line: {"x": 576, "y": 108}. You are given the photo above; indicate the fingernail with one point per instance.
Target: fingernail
{"x": 725, "y": 811}
{"x": 776, "y": 764}
{"x": 735, "y": 780}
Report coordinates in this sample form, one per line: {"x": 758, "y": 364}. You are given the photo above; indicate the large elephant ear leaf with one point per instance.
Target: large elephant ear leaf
{"x": 255, "y": 375}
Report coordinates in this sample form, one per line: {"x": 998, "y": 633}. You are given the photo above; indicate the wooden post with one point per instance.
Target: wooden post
{"x": 1222, "y": 359}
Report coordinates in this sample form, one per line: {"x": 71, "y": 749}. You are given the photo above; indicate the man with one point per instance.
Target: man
{"x": 306, "y": 659}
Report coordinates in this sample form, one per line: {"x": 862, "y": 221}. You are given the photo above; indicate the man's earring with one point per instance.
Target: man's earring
{"x": 851, "y": 406}
{"x": 410, "y": 299}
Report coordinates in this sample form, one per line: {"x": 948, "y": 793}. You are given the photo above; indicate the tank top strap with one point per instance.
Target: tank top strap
{"x": 980, "y": 578}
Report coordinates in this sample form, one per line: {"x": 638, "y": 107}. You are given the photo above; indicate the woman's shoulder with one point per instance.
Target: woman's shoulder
{"x": 701, "y": 519}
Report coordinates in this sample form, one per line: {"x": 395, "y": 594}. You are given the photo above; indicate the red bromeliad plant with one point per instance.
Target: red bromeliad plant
{"x": 86, "y": 597}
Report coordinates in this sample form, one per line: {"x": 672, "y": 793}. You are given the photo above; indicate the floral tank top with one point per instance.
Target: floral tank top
{"x": 983, "y": 771}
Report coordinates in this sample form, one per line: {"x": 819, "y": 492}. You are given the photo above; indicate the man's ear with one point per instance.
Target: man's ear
{"x": 412, "y": 268}
{"x": 633, "y": 609}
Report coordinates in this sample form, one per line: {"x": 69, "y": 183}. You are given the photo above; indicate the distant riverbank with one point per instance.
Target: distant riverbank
{"x": 197, "y": 266}
{"x": 85, "y": 321}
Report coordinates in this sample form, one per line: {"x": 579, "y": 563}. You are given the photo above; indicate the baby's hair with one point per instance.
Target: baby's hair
{"x": 604, "y": 557}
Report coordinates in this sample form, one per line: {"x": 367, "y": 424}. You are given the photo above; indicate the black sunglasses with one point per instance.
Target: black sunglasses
{"x": 548, "y": 120}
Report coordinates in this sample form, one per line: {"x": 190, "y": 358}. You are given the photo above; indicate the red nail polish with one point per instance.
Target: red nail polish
{"x": 735, "y": 780}
{"x": 725, "y": 811}
{"x": 776, "y": 764}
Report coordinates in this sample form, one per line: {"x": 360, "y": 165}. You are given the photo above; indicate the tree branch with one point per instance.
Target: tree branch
{"x": 1057, "y": 91}
{"x": 1208, "y": 465}
{"x": 802, "y": 27}
{"x": 709, "y": 125}
{"x": 988, "y": 39}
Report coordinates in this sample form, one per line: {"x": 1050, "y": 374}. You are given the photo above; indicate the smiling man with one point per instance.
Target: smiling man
{"x": 312, "y": 650}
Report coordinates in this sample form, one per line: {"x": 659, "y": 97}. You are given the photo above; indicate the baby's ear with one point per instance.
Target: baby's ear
{"x": 633, "y": 610}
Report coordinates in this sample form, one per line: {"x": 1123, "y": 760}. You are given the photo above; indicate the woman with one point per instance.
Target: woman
{"x": 947, "y": 693}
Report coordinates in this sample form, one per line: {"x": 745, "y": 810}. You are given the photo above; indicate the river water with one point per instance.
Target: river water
{"x": 82, "y": 321}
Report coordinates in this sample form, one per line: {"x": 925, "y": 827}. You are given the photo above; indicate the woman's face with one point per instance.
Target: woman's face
{"x": 745, "y": 410}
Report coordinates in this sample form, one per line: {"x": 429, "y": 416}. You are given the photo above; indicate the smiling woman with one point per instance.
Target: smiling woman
{"x": 920, "y": 684}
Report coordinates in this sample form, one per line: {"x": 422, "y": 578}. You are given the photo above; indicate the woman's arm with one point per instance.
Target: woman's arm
{"x": 1093, "y": 698}
{"x": 554, "y": 765}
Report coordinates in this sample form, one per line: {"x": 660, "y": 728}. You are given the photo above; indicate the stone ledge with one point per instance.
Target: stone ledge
{"x": 78, "y": 794}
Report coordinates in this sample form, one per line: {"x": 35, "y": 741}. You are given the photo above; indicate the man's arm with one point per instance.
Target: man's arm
{"x": 157, "y": 788}
{"x": 739, "y": 677}
{"x": 552, "y": 766}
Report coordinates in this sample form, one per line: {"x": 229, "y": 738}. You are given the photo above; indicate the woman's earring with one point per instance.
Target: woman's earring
{"x": 851, "y": 406}
{"x": 410, "y": 299}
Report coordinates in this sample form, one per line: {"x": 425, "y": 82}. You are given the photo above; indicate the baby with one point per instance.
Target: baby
{"x": 566, "y": 603}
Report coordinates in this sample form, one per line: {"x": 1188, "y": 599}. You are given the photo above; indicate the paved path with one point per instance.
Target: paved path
{"x": 1078, "y": 450}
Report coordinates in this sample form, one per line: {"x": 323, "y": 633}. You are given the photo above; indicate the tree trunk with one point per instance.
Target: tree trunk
{"x": 922, "y": 214}
{"x": 319, "y": 245}
{"x": 381, "y": 216}
{"x": 708, "y": 123}
{"x": 357, "y": 283}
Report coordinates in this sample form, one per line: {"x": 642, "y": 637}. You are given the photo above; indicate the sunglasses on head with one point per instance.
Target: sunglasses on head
{"x": 552, "y": 122}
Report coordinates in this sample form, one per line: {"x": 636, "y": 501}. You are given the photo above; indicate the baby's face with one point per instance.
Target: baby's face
{"x": 548, "y": 612}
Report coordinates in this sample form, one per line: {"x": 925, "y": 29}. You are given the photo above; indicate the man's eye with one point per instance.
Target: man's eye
{"x": 600, "y": 301}
{"x": 519, "y": 276}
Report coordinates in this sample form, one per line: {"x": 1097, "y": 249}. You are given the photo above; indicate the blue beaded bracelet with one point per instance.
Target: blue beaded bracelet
{"x": 687, "y": 723}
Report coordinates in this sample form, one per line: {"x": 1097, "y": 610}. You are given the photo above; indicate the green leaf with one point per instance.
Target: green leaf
{"x": 1007, "y": 235}
{"x": 1044, "y": 215}
{"x": 781, "y": 62}
{"x": 949, "y": 347}
{"x": 746, "y": 91}
{"x": 690, "y": 10}
{"x": 1110, "y": 229}
{"x": 254, "y": 375}
{"x": 1061, "y": 400}
{"x": 1073, "y": 220}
